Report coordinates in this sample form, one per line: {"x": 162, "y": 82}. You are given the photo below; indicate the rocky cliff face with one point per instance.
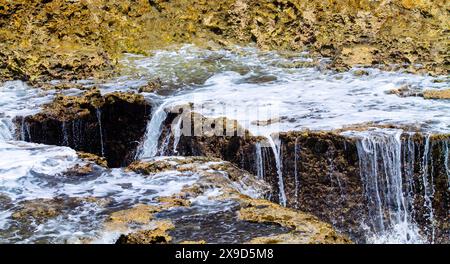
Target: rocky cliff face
{"x": 109, "y": 126}
{"x": 67, "y": 39}
{"x": 78, "y": 39}
{"x": 339, "y": 178}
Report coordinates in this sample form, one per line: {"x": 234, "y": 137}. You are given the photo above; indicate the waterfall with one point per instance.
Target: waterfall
{"x": 380, "y": 157}
{"x": 176, "y": 129}
{"x": 296, "y": 171}
{"x": 259, "y": 161}
{"x": 77, "y": 132}
{"x": 162, "y": 150}
{"x": 99, "y": 120}
{"x": 275, "y": 144}
{"x": 428, "y": 187}
{"x": 149, "y": 148}
{"x": 446, "y": 161}
{"x": 65, "y": 141}
{"x": 22, "y": 129}
{"x": 409, "y": 160}
{"x": 6, "y": 129}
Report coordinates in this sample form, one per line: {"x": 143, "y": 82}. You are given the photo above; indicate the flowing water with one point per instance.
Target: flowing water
{"x": 267, "y": 93}
{"x": 390, "y": 218}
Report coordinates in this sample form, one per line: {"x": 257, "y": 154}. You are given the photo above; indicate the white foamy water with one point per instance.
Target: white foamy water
{"x": 33, "y": 171}
{"x": 390, "y": 216}
{"x": 264, "y": 91}
{"x": 18, "y": 99}
{"x": 297, "y": 98}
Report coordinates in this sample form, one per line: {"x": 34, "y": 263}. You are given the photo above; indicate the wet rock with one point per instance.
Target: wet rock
{"x": 80, "y": 170}
{"x": 101, "y": 161}
{"x": 38, "y": 210}
{"x": 406, "y": 91}
{"x": 157, "y": 235}
{"x": 437, "y": 94}
{"x": 213, "y": 172}
{"x": 149, "y": 168}
{"x": 321, "y": 172}
{"x": 41, "y": 210}
{"x": 108, "y": 126}
{"x": 201, "y": 242}
{"x": 360, "y": 73}
{"x": 306, "y": 228}
{"x": 243, "y": 218}
{"x": 151, "y": 87}
{"x": 142, "y": 214}
{"x": 5, "y": 202}
{"x": 170, "y": 202}
{"x": 139, "y": 214}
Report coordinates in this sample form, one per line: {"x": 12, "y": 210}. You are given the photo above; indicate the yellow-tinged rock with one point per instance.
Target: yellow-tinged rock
{"x": 437, "y": 94}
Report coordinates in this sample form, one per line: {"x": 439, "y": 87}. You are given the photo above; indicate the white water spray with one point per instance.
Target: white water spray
{"x": 380, "y": 153}
{"x": 259, "y": 161}
{"x": 275, "y": 144}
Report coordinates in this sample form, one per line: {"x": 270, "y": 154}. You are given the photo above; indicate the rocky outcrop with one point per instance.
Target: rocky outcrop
{"x": 109, "y": 126}
{"x": 77, "y": 39}
{"x": 263, "y": 211}
{"x": 322, "y": 173}
{"x": 40, "y": 210}
{"x": 67, "y": 39}
{"x": 157, "y": 235}
{"x": 249, "y": 219}
{"x": 437, "y": 94}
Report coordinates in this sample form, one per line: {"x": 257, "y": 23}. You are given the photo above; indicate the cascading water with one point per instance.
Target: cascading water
{"x": 296, "y": 169}
{"x": 275, "y": 144}
{"x": 428, "y": 186}
{"x": 6, "y": 129}
{"x": 259, "y": 161}
{"x": 99, "y": 120}
{"x": 149, "y": 147}
{"x": 65, "y": 140}
{"x": 305, "y": 98}
{"x": 177, "y": 134}
{"x": 447, "y": 160}
{"x": 389, "y": 218}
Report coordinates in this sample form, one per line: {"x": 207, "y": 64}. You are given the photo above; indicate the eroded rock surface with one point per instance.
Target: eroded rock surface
{"x": 322, "y": 172}
{"x": 108, "y": 126}
{"x": 85, "y": 38}
{"x": 234, "y": 218}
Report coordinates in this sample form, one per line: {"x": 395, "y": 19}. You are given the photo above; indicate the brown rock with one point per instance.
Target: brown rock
{"x": 437, "y": 94}
{"x": 157, "y": 235}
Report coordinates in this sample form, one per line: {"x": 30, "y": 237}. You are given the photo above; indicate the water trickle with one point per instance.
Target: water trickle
{"x": 275, "y": 144}
{"x": 259, "y": 161}
{"x": 446, "y": 161}
{"x": 99, "y": 120}
{"x": 164, "y": 146}
{"x": 409, "y": 158}
{"x": 428, "y": 186}
{"x": 296, "y": 171}
{"x": 149, "y": 148}
{"x": 22, "y": 129}
{"x": 176, "y": 130}
{"x": 380, "y": 157}
{"x": 76, "y": 132}
{"x": 65, "y": 141}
